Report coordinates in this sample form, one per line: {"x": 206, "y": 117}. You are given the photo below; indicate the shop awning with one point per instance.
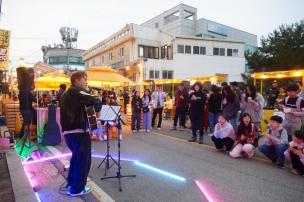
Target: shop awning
{"x": 278, "y": 74}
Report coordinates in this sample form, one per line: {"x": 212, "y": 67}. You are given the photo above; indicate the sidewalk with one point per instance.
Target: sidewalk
{"x": 6, "y": 189}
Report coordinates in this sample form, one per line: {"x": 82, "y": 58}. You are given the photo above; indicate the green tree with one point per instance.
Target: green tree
{"x": 283, "y": 49}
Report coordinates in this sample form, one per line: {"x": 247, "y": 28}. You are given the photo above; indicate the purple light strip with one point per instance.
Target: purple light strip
{"x": 66, "y": 155}
{"x": 47, "y": 158}
{"x": 204, "y": 191}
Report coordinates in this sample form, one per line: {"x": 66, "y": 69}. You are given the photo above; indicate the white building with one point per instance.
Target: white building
{"x": 175, "y": 45}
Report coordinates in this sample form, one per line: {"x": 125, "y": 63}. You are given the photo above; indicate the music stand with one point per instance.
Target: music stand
{"x": 107, "y": 115}
{"x": 115, "y": 110}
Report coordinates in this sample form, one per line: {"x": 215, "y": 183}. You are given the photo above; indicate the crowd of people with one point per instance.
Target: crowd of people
{"x": 232, "y": 117}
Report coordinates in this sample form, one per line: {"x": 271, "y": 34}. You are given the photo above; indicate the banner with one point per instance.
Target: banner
{"x": 4, "y": 49}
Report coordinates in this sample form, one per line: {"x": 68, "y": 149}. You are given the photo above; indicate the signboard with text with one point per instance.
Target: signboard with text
{"x": 4, "y": 49}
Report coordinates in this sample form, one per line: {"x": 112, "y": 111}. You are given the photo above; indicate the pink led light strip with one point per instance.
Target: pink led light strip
{"x": 204, "y": 191}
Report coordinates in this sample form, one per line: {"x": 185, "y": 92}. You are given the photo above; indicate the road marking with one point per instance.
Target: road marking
{"x": 167, "y": 135}
{"x": 97, "y": 192}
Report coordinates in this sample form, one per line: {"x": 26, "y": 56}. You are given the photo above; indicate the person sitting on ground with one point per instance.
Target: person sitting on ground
{"x": 276, "y": 141}
{"x": 246, "y": 137}
{"x": 295, "y": 153}
{"x": 223, "y": 134}
{"x": 136, "y": 105}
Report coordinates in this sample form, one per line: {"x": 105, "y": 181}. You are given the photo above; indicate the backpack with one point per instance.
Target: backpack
{"x": 298, "y": 103}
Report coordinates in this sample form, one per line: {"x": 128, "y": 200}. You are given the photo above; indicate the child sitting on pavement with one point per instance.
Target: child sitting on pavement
{"x": 276, "y": 141}
{"x": 246, "y": 136}
{"x": 223, "y": 134}
{"x": 295, "y": 153}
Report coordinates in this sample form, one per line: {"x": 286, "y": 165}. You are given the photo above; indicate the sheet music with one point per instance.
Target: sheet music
{"x": 108, "y": 113}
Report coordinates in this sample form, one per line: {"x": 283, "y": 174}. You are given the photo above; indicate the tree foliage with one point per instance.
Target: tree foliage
{"x": 283, "y": 49}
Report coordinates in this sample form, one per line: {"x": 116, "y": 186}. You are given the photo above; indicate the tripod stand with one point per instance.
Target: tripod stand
{"x": 118, "y": 173}
{"x": 108, "y": 156}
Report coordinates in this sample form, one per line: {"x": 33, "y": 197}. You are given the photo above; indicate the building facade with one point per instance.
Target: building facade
{"x": 63, "y": 58}
{"x": 175, "y": 45}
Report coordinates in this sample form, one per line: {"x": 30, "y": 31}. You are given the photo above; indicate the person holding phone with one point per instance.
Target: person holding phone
{"x": 197, "y": 105}
{"x": 253, "y": 104}
{"x": 295, "y": 153}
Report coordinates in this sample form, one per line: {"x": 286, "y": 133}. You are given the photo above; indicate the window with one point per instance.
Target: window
{"x": 235, "y": 52}
{"x": 229, "y": 52}
{"x": 156, "y": 25}
{"x": 222, "y": 51}
{"x": 170, "y": 74}
{"x": 156, "y": 74}
{"x": 180, "y": 49}
{"x": 203, "y": 50}
{"x": 110, "y": 56}
{"x": 148, "y": 52}
{"x": 151, "y": 74}
{"x": 219, "y": 51}
{"x": 167, "y": 74}
{"x": 216, "y": 51}
{"x": 196, "y": 50}
{"x": 141, "y": 51}
{"x": 188, "y": 49}
{"x": 121, "y": 52}
{"x": 163, "y": 52}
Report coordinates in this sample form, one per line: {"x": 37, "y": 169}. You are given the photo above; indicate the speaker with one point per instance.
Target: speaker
{"x": 25, "y": 78}
{"x": 5, "y": 88}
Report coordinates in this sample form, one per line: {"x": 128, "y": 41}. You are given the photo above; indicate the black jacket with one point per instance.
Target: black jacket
{"x": 136, "y": 104}
{"x": 215, "y": 102}
{"x": 72, "y": 108}
{"x": 197, "y": 106}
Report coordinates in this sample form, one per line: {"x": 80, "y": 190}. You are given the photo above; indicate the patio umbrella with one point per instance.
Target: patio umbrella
{"x": 52, "y": 80}
{"x": 102, "y": 75}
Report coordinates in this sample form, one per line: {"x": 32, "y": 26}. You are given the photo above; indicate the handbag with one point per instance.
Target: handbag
{"x": 146, "y": 109}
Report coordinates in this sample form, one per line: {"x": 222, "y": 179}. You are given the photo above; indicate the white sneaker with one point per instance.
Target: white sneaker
{"x": 86, "y": 190}
{"x": 148, "y": 131}
{"x": 133, "y": 131}
{"x": 158, "y": 128}
{"x": 120, "y": 137}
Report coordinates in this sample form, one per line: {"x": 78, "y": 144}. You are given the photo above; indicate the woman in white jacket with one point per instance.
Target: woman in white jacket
{"x": 223, "y": 134}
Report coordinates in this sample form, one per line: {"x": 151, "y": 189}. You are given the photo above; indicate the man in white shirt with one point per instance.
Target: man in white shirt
{"x": 158, "y": 100}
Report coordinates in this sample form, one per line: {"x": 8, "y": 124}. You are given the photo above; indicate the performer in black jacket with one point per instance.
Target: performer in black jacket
{"x": 75, "y": 129}
{"x": 197, "y": 105}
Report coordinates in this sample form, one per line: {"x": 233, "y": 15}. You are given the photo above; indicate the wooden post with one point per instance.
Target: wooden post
{"x": 261, "y": 90}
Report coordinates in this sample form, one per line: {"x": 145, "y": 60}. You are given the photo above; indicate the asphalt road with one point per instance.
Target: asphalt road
{"x": 223, "y": 178}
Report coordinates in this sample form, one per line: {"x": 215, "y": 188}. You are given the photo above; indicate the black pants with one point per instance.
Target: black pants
{"x": 180, "y": 113}
{"x": 296, "y": 163}
{"x": 125, "y": 107}
{"x": 219, "y": 143}
{"x": 136, "y": 116}
{"x": 159, "y": 112}
{"x": 80, "y": 163}
{"x": 197, "y": 123}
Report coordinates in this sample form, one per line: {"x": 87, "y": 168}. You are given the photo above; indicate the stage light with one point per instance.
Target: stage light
{"x": 37, "y": 196}
{"x": 204, "y": 191}
{"x": 160, "y": 171}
